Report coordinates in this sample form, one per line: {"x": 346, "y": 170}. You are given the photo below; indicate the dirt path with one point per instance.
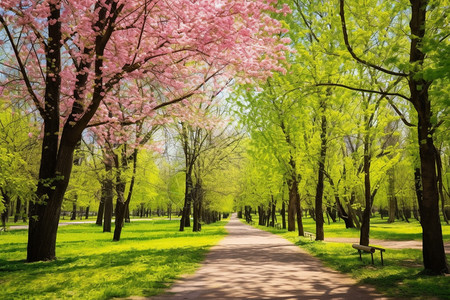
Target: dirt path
{"x": 253, "y": 264}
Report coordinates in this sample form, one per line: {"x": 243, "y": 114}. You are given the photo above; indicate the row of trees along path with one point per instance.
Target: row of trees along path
{"x": 251, "y": 263}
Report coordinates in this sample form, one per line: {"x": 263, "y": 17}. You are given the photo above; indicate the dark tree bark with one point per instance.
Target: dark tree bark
{"x": 331, "y": 211}
{"x": 198, "y": 199}
{"x": 301, "y": 231}
{"x": 391, "y": 196}
{"x": 119, "y": 211}
{"x": 73, "y": 216}
{"x": 108, "y": 186}
{"x": 101, "y": 207}
{"x": 18, "y": 212}
{"x": 292, "y": 184}
{"x": 261, "y": 215}
{"x": 418, "y": 185}
{"x": 348, "y": 220}
{"x": 440, "y": 183}
{"x": 185, "y": 217}
{"x": 81, "y": 213}
{"x": 351, "y": 211}
{"x": 87, "y": 212}
{"x": 320, "y": 176}
{"x": 434, "y": 257}
{"x": 283, "y": 214}
{"x": 248, "y": 213}
{"x": 273, "y": 211}
{"x": 122, "y": 203}
{"x": 6, "y": 202}
{"x": 25, "y": 211}
{"x": 127, "y": 213}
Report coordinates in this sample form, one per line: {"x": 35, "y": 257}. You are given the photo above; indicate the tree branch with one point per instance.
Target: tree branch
{"x": 179, "y": 99}
{"x": 364, "y": 90}
{"x": 22, "y": 69}
{"x": 402, "y": 117}
{"x": 352, "y": 53}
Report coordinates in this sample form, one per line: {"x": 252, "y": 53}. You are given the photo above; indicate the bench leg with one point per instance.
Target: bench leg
{"x": 381, "y": 252}
{"x": 371, "y": 254}
{"x": 360, "y": 258}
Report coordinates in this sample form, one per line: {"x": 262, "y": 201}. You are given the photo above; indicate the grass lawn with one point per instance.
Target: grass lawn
{"x": 150, "y": 256}
{"x": 379, "y": 229}
{"x": 399, "y": 277}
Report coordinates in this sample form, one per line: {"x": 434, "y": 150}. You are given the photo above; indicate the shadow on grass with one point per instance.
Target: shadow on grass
{"x": 91, "y": 266}
{"x": 123, "y": 273}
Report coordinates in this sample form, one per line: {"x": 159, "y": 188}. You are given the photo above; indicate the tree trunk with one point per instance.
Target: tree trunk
{"x": 348, "y": 220}
{"x": 365, "y": 226}
{"x": 127, "y": 213}
{"x": 301, "y": 232}
{"x": 87, "y": 213}
{"x": 274, "y": 207}
{"x": 120, "y": 214}
{"x": 292, "y": 183}
{"x": 6, "y": 202}
{"x": 418, "y": 185}
{"x": 261, "y": 215}
{"x": 441, "y": 184}
{"x": 55, "y": 166}
{"x": 434, "y": 257}
{"x": 108, "y": 186}
{"x": 331, "y": 211}
{"x": 351, "y": 211}
{"x": 101, "y": 208}
{"x": 121, "y": 203}
{"x": 283, "y": 214}
{"x": 319, "y": 188}
{"x": 73, "y": 216}
{"x": 18, "y": 211}
{"x": 391, "y": 196}
{"x": 185, "y": 217}
{"x": 197, "y": 198}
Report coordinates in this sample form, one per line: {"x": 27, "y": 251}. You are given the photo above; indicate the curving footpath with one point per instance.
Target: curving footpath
{"x": 253, "y": 264}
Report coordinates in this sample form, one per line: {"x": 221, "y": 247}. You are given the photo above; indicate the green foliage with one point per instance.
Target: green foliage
{"x": 18, "y": 152}
{"x": 149, "y": 188}
{"x": 150, "y": 256}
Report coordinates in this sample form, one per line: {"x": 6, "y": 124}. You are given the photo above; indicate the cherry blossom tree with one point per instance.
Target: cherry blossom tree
{"x": 72, "y": 58}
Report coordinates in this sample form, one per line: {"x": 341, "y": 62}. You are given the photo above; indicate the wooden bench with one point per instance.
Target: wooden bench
{"x": 310, "y": 234}
{"x": 369, "y": 249}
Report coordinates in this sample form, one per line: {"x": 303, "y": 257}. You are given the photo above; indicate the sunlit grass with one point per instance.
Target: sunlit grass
{"x": 399, "y": 277}
{"x": 379, "y": 229}
{"x": 149, "y": 257}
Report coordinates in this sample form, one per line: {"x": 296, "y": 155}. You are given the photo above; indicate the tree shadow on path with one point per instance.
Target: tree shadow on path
{"x": 253, "y": 264}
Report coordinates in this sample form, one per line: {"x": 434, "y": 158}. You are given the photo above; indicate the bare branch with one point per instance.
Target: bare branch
{"x": 402, "y": 117}
{"x": 364, "y": 90}
{"x": 179, "y": 99}
{"x": 22, "y": 69}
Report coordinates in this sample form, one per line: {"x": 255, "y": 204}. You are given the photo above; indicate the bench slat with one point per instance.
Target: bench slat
{"x": 364, "y": 248}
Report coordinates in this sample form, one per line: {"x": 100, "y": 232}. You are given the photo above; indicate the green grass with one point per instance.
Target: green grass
{"x": 399, "y": 277}
{"x": 149, "y": 257}
{"x": 379, "y": 229}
